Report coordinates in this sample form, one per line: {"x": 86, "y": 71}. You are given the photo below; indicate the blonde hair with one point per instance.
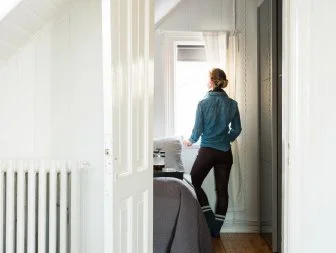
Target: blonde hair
{"x": 218, "y": 77}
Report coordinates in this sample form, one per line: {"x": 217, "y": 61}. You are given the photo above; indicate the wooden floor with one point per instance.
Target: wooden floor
{"x": 240, "y": 243}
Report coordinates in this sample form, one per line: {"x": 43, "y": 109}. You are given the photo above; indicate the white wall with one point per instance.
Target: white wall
{"x": 218, "y": 15}
{"x": 51, "y": 101}
{"x": 308, "y": 126}
{"x": 247, "y": 85}
{"x": 162, "y": 8}
{"x": 17, "y": 109}
{"x": 196, "y": 15}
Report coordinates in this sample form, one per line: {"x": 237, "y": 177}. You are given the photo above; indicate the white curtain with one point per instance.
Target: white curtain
{"x": 221, "y": 53}
{"x": 216, "y": 49}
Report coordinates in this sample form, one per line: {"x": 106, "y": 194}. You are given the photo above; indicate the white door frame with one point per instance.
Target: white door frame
{"x": 287, "y": 127}
{"x": 295, "y": 28}
{"x": 292, "y": 107}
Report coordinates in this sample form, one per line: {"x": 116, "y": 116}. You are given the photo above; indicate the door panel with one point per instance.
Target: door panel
{"x": 129, "y": 174}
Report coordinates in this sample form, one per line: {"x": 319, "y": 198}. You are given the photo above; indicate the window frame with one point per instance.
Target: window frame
{"x": 170, "y": 42}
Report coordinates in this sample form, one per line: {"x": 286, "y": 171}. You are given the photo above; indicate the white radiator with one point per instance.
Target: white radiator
{"x": 40, "y": 207}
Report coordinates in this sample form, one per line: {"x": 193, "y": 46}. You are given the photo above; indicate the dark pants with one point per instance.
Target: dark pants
{"x": 221, "y": 161}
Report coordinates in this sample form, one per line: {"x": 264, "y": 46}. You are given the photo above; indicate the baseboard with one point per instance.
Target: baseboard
{"x": 266, "y": 226}
{"x": 241, "y": 227}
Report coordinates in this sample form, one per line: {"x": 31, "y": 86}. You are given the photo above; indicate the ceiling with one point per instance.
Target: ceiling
{"x": 22, "y": 19}
{"x": 163, "y": 8}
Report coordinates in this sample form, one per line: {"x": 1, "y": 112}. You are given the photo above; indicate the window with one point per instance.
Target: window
{"x": 191, "y": 80}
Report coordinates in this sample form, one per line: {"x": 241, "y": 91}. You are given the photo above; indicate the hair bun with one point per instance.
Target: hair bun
{"x": 218, "y": 77}
{"x": 221, "y": 83}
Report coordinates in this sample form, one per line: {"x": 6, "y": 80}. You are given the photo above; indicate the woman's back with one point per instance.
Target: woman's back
{"x": 218, "y": 113}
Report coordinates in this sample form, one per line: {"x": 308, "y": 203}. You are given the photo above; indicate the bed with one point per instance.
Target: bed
{"x": 179, "y": 224}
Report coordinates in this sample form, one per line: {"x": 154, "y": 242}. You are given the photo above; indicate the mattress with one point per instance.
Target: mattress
{"x": 179, "y": 223}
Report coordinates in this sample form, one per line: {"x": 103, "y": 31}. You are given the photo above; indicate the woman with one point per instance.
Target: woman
{"x": 218, "y": 124}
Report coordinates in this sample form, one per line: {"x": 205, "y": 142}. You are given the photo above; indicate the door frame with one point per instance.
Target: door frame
{"x": 292, "y": 109}
{"x": 286, "y": 126}
{"x": 291, "y": 208}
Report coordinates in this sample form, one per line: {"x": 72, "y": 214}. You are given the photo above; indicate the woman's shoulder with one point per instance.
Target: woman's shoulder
{"x": 203, "y": 100}
{"x": 232, "y": 101}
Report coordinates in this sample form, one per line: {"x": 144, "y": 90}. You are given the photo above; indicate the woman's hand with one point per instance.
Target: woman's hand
{"x": 187, "y": 143}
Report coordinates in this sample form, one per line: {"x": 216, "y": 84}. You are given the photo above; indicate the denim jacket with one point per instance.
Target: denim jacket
{"x": 217, "y": 121}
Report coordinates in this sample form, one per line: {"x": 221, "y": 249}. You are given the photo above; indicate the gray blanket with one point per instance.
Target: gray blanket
{"x": 179, "y": 224}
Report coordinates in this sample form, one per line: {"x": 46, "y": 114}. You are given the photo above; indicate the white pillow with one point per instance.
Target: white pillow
{"x": 172, "y": 145}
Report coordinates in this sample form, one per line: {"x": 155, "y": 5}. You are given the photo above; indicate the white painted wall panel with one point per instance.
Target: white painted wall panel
{"x": 198, "y": 15}
{"x": 17, "y": 107}
{"x": 247, "y": 97}
{"x": 22, "y": 19}
{"x": 42, "y": 95}
{"x": 309, "y": 123}
{"x": 7, "y": 50}
{"x": 31, "y": 22}
{"x": 51, "y": 95}
{"x": 43, "y": 9}
{"x": 13, "y": 34}
{"x": 159, "y": 94}
{"x": 76, "y": 105}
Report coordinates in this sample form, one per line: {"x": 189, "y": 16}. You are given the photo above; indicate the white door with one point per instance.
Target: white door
{"x": 128, "y": 27}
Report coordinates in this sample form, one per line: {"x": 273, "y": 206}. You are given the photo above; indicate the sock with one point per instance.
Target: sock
{"x": 217, "y": 225}
{"x": 209, "y": 215}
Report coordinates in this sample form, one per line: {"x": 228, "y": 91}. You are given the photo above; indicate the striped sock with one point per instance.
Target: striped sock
{"x": 218, "y": 223}
{"x": 209, "y": 215}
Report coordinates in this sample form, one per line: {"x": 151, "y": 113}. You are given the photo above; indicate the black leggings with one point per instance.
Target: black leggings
{"x": 222, "y": 163}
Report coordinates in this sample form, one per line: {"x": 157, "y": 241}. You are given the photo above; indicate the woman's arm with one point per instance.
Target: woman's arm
{"x": 235, "y": 128}
{"x": 198, "y": 126}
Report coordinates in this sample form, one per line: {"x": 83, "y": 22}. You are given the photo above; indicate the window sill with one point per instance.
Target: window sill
{"x": 194, "y": 146}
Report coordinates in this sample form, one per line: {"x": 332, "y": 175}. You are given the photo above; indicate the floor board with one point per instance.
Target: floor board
{"x": 240, "y": 243}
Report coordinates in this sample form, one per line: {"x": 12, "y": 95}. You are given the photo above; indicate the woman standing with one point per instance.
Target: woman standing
{"x": 218, "y": 124}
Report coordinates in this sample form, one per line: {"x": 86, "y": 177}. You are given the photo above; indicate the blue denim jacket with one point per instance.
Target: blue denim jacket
{"x": 217, "y": 121}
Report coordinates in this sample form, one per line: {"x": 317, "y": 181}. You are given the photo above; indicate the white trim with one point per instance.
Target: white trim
{"x": 170, "y": 40}
{"x": 240, "y": 227}
{"x": 108, "y": 126}
{"x": 296, "y": 43}
{"x": 285, "y": 126}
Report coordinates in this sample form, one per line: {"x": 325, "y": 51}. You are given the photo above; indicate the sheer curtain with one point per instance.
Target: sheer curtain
{"x": 220, "y": 48}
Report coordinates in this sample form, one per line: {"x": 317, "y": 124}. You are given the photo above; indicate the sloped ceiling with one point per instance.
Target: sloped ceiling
{"x": 163, "y": 8}
{"x": 6, "y": 6}
{"x": 22, "y": 20}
